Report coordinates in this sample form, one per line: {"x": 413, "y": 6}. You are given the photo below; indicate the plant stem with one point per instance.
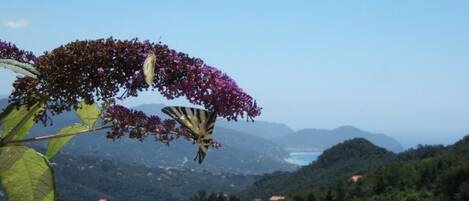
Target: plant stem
{"x": 47, "y": 137}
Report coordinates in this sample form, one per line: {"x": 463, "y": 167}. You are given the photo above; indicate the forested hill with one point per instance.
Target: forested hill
{"x": 426, "y": 173}
{"x": 354, "y": 156}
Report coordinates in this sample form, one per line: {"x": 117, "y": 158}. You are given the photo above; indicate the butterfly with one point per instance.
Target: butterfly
{"x": 198, "y": 123}
{"x": 149, "y": 68}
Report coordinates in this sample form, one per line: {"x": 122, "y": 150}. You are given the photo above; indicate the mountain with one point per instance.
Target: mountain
{"x": 82, "y": 178}
{"x": 263, "y": 129}
{"x": 351, "y": 157}
{"x": 426, "y": 173}
{"x": 238, "y": 154}
{"x": 241, "y": 153}
{"x": 319, "y": 139}
{"x": 152, "y": 109}
{"x": 3, "y": 103}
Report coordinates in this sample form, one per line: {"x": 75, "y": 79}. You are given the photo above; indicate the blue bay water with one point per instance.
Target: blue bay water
{"x": 303, "y": 158}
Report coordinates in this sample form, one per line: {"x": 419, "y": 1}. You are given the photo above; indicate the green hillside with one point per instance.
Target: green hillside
{"x": 339, "y": 162}
{"x": 428, "y": 173}
{"x": 83, "y": 178}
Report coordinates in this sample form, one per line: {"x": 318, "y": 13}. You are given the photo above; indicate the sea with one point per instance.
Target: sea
{"x": 303, "y": 158}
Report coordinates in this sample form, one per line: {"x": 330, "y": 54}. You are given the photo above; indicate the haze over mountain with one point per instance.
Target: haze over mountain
{"x": 302, "y": 140}
{"x": 320, "y": 139}
{"x": 267, "y": 130}
{"x": 3, "y": 103}
{"x": 240, "y": 153}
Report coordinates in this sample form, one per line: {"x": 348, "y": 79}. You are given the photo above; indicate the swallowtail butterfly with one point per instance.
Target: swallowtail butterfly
{"x": 198, "y": 123}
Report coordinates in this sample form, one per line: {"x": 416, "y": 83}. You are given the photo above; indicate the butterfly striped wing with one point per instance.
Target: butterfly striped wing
{"x": 199, "y": 123}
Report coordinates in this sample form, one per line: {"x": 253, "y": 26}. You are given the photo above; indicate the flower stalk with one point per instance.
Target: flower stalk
{"x": 52, "y": 136}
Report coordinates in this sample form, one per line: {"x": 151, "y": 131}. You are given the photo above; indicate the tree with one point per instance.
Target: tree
{"x": 329, "y": 196}
{"x": 463, "y": 193}
{"x": 311, "y": 197}
{"x": 298, "y": 198}
{"x": 212, "y": 197}
{"x": 233, "y": 198}
{"x": 221, "y": 197}
{"x": 200, "y": 196}
{"x": 340, "y": 192}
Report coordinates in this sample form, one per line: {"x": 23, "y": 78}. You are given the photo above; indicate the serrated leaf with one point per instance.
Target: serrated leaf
{"x": 89, "y": 114}
{"x": 26, "y": 175}
{"x": 19, "y": 121}
{"x": 149, "y": 68}
{"x": 57, "y": 143}
{"x": 18, "y": 67}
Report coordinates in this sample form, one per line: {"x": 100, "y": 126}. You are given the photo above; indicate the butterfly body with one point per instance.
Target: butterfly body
{"x": 198, "y": 123}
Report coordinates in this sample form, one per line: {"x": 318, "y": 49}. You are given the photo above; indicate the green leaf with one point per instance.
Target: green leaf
{"x": 26, "y": 175}
{"x": 4, "y": 114}
{"x": 19, "y": 121}
{"x": 18, "y": 67}
{"x": 89, "y": 114}
{"x": 57, "y": 143}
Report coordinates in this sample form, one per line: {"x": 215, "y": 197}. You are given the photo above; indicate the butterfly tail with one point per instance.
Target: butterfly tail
{"x": 201, "y": 153}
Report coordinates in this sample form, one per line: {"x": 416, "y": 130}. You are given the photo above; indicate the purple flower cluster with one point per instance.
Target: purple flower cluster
{"x": 108, "y": 68}
{"x": 204, "y": 85}
{"x": 10, "y": 51}
{"x": 104, "y": 69}
{"x": 138, "y": 125}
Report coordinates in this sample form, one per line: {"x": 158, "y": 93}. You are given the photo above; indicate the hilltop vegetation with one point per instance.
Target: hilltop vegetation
{"x": 427, "y": 173}
{"x": 339, "y": 162}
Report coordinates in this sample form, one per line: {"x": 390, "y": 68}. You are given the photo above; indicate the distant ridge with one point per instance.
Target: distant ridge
{"x": 263, "y": 129}
{"x": 241, "y": 153}
{"x": 152, "y": 109}
{"x": 3, "y": 103}
{"x": 320, "y": 139}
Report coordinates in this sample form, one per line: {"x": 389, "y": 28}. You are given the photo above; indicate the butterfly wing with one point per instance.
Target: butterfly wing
{"x": 181, "y": 116}
{"x": 199, "y": 123}
{"x": 149, "y": 68}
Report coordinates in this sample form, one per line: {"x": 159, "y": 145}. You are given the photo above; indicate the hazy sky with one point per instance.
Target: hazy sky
{"x": 395, "y": 67}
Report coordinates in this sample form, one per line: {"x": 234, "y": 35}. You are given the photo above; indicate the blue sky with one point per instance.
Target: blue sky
{"x": 394, "y": 67}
